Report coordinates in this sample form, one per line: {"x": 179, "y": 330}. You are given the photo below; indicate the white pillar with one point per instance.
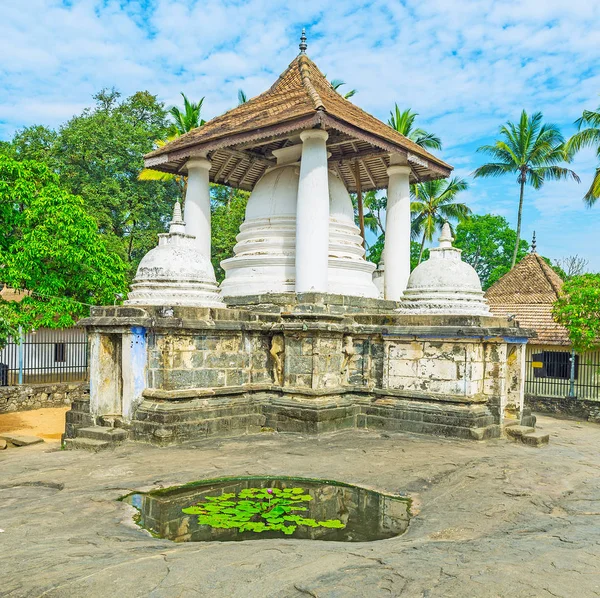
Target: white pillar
{"x": 312, "y": 214}
{"x": 397, "y": 232}
{"x": 197, "y": 204}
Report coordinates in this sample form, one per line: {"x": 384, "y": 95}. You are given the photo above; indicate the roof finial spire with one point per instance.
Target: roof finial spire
{"x": 303, "y": 45}
{"x": 446, "y": 236}
{"x": 177, "y": 225}
{"x": 533, "y": 244}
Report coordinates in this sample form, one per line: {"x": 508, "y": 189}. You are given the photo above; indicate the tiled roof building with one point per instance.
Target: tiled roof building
{"x": 528, "y": 292}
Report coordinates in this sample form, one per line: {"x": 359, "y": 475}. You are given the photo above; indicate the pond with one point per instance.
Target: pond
{"x": 256, "y": 508}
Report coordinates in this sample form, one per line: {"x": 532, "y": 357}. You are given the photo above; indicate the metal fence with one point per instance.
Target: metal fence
{"x": 549, "y": 373}
{"x": 45, "y": 356}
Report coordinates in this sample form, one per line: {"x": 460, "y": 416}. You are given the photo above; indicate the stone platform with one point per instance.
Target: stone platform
{"x": 307, "y": 364}
{"x": 489, "y": 519}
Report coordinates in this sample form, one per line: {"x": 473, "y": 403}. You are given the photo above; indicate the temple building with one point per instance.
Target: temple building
{"x": 303, "y": 334}
{"x": 527, "y": 294}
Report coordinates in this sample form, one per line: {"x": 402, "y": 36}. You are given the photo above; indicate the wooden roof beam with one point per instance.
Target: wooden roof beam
{"x": 369, "y": 174}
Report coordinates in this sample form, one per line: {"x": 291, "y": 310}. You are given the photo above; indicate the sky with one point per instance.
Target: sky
{"x": 466, "y": 67}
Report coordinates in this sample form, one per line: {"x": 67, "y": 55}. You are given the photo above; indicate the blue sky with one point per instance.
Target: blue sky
{"x": 466, "y": 67}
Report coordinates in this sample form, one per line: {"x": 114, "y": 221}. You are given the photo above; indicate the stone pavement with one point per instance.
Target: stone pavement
{"x": 494, "y": 519}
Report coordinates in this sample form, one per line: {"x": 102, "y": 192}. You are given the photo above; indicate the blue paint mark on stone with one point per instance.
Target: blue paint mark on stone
{"x": 139, "y": 359}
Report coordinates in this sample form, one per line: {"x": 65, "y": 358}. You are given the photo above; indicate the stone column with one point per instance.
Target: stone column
{"x": 312, "y": 214}
{"x": 397, "y": 232}
{"x": 134, "y": 362}
{"x": 197, "y": 203}
{"x": 105, "y": 374}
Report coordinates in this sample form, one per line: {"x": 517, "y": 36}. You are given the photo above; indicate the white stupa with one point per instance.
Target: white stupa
{"x": 264, "y": 256}
{"x": 444, "y": 284}
{"x": 175, "y": 272}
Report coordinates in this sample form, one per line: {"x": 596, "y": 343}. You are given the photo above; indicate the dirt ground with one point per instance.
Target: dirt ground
{"x": 48, "y": 424}
{"x": 493, "y": 519}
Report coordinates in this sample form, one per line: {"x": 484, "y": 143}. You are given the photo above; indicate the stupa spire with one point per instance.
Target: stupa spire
{"x": 177, "y": 225}
{"x": 446, "y": 237}
{"x": 303, "y": 45}
{"x": 533, "y": 244}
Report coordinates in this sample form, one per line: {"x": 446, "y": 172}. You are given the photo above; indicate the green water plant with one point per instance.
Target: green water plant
{"x": 259, "y": 510}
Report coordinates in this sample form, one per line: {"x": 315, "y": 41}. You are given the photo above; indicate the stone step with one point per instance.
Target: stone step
{"x": 518, "y": 431}
{"x": 88, "y": 444}
{"x": 535, "y": 438}
{"x": 104, "y": 434}
{"x": 492, "y": 431}
{"x": 21, "y": 439}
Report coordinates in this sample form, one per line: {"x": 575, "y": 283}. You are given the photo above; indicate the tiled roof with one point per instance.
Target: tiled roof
{"x": 536, "y": 317}
{"x": 301, "y": 98}
{"x": 528, "y": 292}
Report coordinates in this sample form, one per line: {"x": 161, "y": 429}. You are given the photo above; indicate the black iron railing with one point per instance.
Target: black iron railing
{"x": 553, "y": 373}
{"x": 45, "y": 356}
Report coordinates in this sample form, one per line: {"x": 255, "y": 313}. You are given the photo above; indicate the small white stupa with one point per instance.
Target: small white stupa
{"x": 175, "y": 272}
{"x": 444, "y": 284}
{"x": 265, "y": 253}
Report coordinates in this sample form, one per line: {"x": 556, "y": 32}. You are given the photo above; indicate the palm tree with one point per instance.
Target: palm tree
{"x": 184, "y": 121}
{"x": 337, "y": 83}
{"x": 434, "y": 202}
{"x": 531, "y": 150}
{"x": 242, "y": 97}
{"x": 403, "y": 122}
{"x": 588, "y": 137}
{"x": 187, "y": 119}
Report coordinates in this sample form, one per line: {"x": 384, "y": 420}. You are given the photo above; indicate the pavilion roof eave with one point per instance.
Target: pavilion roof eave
{"x": 174, "y": 162}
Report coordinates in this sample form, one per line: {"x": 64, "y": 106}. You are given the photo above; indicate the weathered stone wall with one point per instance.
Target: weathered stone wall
{"x": 201, "y": 360}
{"x": 302, "y": 367}
{"x": 575, "y": 408}
{"x": 38, "y": 396}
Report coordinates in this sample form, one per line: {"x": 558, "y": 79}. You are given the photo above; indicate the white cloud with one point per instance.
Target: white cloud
{"x": 466, "y": 67}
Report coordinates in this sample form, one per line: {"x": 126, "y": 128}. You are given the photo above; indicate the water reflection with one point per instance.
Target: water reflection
{"x": 366, "y": 514}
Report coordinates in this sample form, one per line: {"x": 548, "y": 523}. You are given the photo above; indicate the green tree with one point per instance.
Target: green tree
{"x": 404, "y": 123}
{"x": 531, "y": 150}
{"x": 578, "y": 310}
{"x": 487, "y": 244}
{"x": 337, "y": 83}
{"x": 53, "y": 250}
{"x": 228, "y": 208}
{"x": 588, "y": 135}
{"x": 187, "y": 119}
{"x": 183, "y": 121}
{"x": 435, "y": 202}
{"x": 100, "y": 155}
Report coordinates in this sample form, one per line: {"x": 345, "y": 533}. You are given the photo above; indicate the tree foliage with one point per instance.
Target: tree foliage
{"x": 187, "y": 119}
{"x": 533, "y": 151}
{"x": 588, "y": 135}
{"x": 435, "y": 202}
{"x": 403, "y": 121}
{"x": 487, "y": 244}
{"x": 98, "y": 156}
{"x": 228, "y": 207}
{"x": 52, "y": 249}
{"x": 578, "y": 310}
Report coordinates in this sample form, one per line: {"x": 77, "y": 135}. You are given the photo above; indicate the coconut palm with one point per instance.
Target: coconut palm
{"x": 433, "y": 203}
{"x": 588, "y": 137}
{"x": 187, "y": 119}
{"x": 337, "y": 83}
{"x": 184, "y": 121}
{"x": 531, "y": 150}
{"x": 404, "y": 123}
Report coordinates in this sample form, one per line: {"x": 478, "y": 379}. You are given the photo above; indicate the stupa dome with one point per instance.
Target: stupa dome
{"x": 444, "y": 284}
{"x": 175, "y": 272}
{"x": 265, "y": 253}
